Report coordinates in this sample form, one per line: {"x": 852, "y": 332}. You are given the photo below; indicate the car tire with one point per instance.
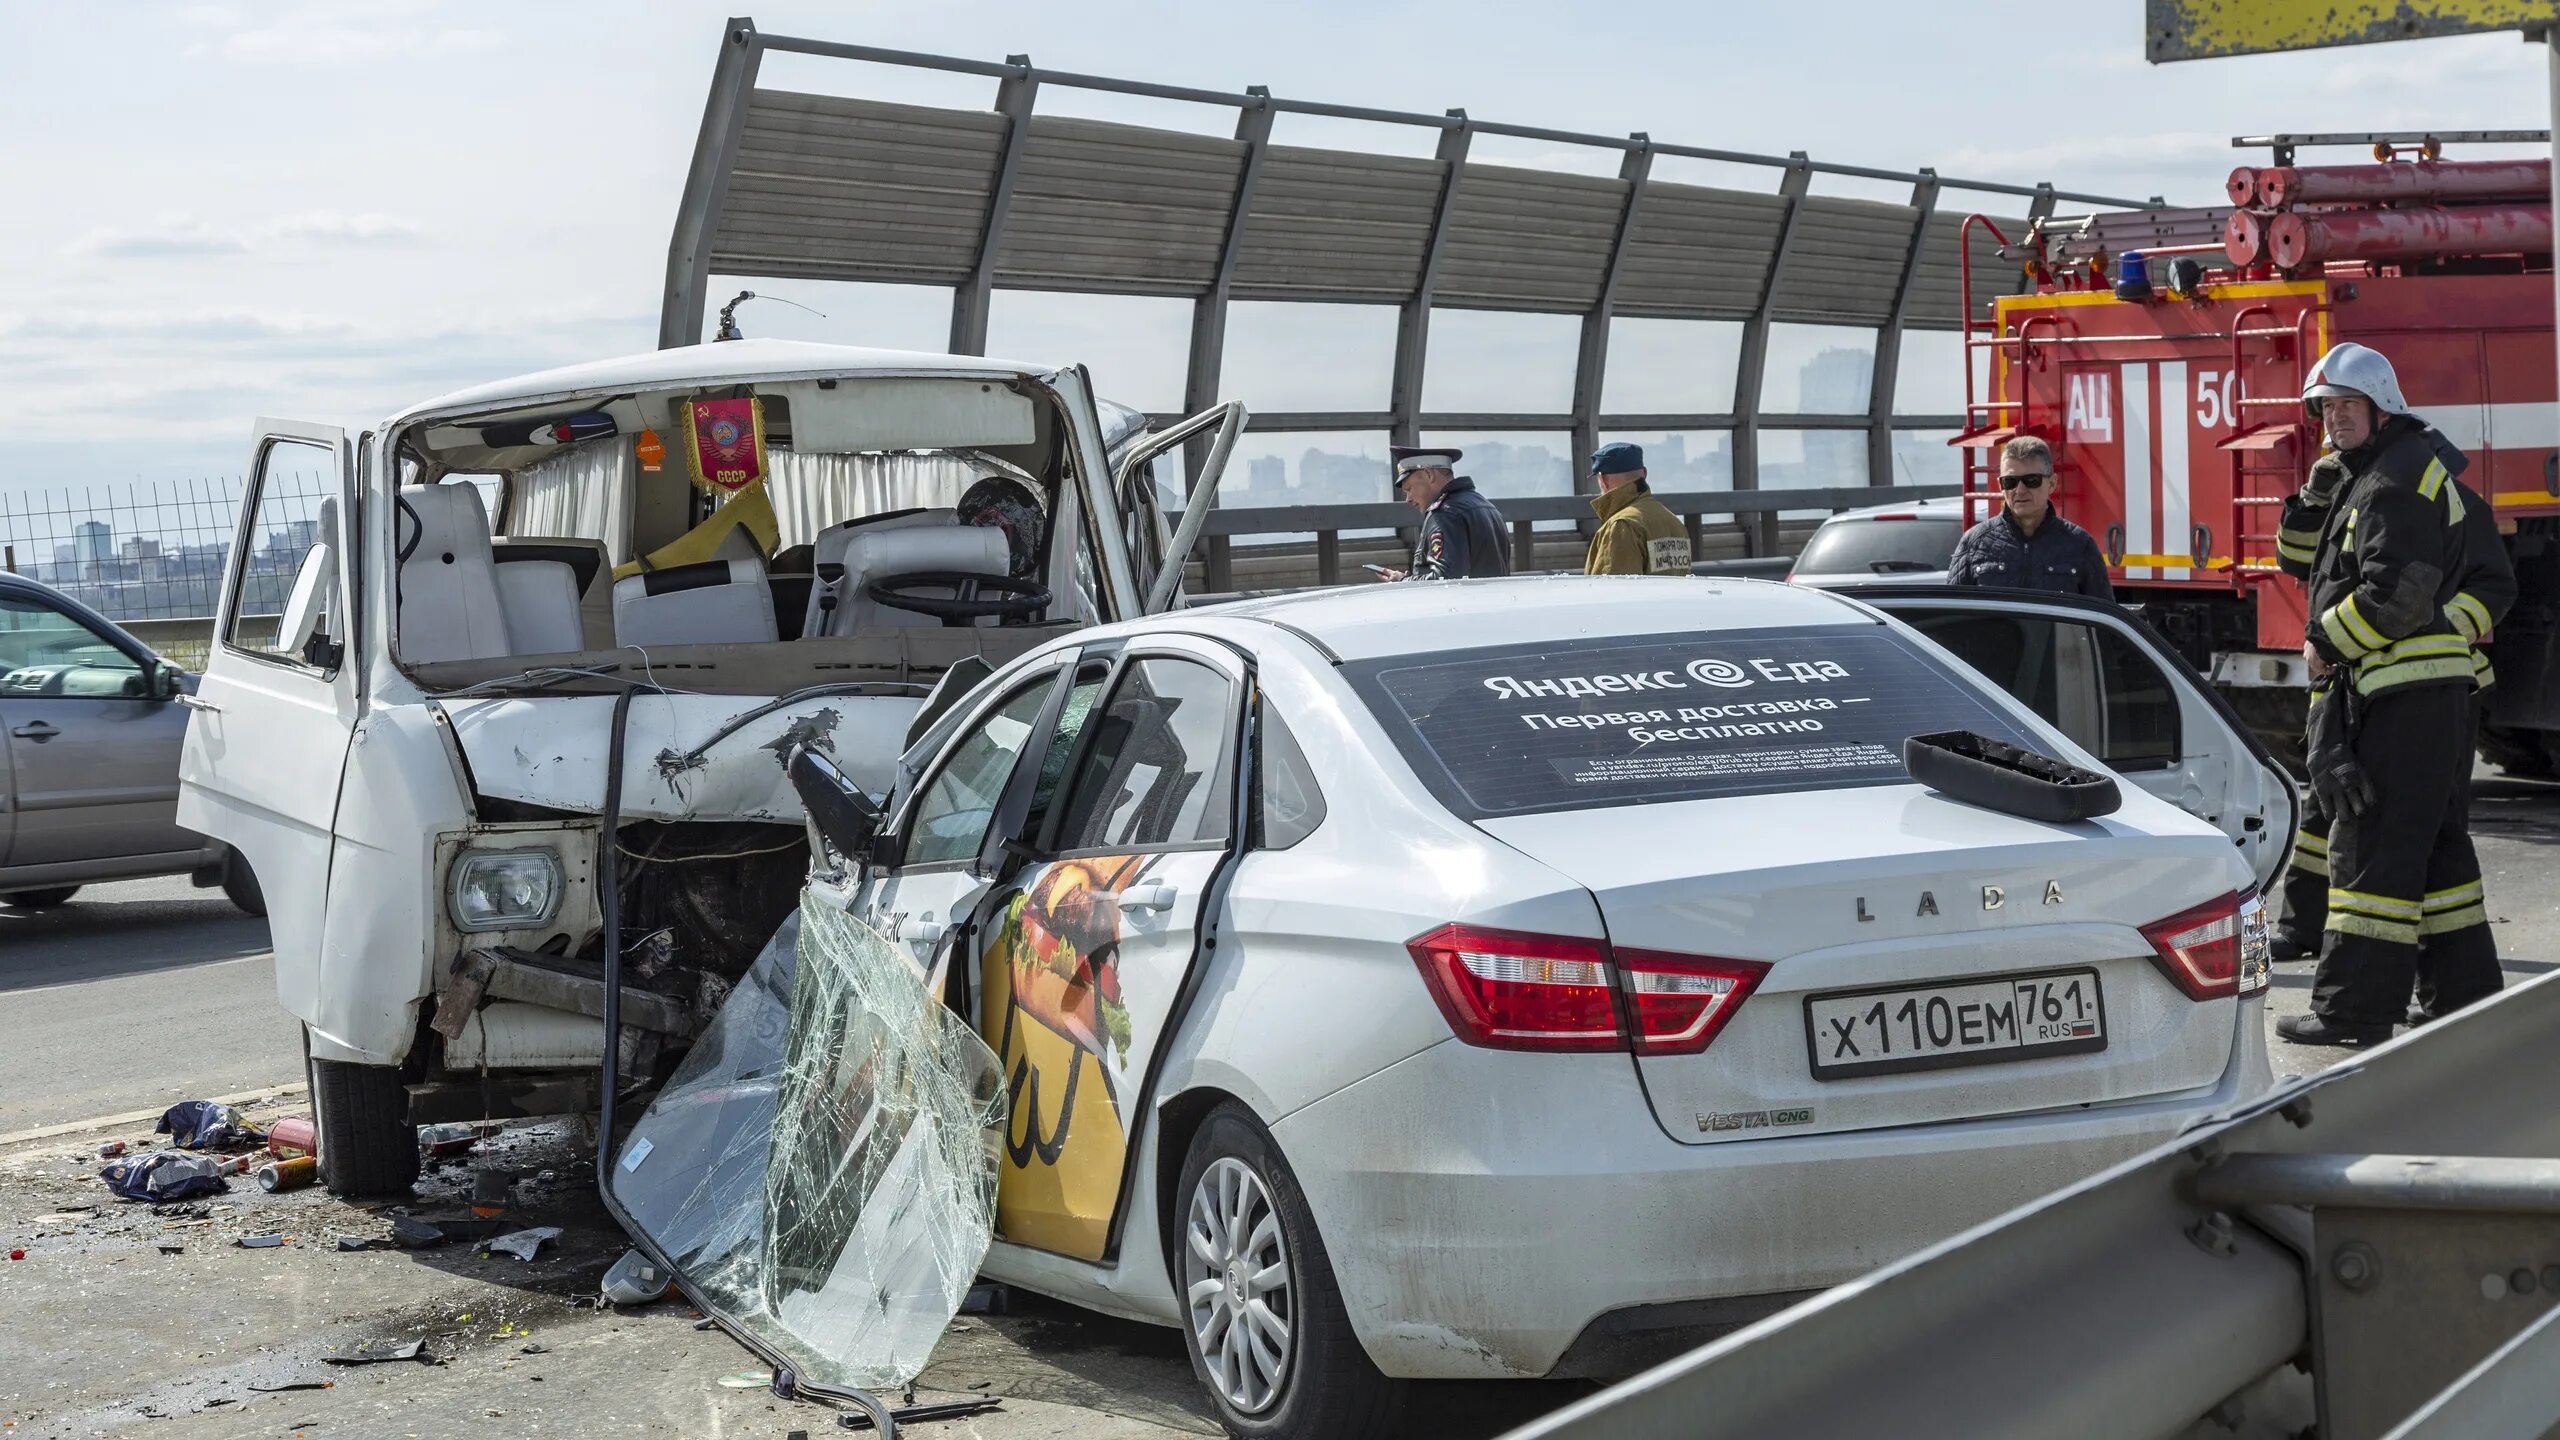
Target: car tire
{"x": 367, "y": 1145}
{"x": 59, "y": 895}
{"x": 1323, "y": 1383}
{"x": 2521, "y": 753}
{"x": 240, "y": 886}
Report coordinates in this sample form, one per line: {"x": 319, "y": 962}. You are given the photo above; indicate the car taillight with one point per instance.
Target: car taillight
{"x": 1506, "y": 990}
{"x": 1683, "y": 1000}
{"x": 2216, "y": 950}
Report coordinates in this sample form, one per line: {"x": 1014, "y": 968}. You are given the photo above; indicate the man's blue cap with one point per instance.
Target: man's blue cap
{"x": 1617, "y": 458}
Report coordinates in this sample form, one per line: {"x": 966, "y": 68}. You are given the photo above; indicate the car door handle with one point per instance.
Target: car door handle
{"x": 37, "y": 731}
{"x": 198, "y": 702}
{"x": 1158, "y": 896}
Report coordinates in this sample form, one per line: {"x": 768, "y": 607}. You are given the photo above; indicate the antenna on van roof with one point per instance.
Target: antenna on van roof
{"x": 729, "y": 313}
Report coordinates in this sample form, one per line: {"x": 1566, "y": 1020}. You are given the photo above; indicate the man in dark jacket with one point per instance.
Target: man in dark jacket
{"x": 1461, "y": 535}
{"x": 2389, "y": 642}
{"x": 2027, "y": 546}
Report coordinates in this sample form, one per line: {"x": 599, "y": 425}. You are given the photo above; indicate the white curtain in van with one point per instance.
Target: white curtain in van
{"x": 582, "y": 493}
{"x": 813, "y": 491}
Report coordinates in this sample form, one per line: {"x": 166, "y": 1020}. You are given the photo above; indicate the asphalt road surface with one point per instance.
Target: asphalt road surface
{"x": 135, "y": 995}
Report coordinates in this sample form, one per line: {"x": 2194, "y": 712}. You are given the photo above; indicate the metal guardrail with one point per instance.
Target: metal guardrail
{"x": 1327, "y": 523}
{"x": 2388, "y": 1223}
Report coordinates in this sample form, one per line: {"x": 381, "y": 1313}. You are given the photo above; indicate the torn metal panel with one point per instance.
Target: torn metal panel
{"x": 550, "y": 750}
{"x": 556, "y": 982}
{"x": 820, "y": 1171}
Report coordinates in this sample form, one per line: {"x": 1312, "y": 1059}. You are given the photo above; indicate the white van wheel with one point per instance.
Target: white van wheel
{"x": 240, "y": 885}
{"x": 367, "y": 1145}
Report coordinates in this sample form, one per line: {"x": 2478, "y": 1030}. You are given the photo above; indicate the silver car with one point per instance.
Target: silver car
{"x": 90, "y": 724}
{"x": 1907, "y": 544}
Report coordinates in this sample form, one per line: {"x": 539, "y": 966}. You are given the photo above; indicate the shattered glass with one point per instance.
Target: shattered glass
{"x": 821, "y": 1169}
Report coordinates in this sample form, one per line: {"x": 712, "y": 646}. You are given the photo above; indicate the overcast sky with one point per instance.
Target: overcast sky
{"x": 330, "y": 211}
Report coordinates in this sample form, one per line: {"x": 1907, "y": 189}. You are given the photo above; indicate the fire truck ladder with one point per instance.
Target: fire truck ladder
{"x": 1988, "y": 424}
{"x": 2268, "y": 456}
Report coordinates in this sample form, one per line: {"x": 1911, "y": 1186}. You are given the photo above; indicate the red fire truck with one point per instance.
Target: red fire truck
{"x": 2161, "y": 353}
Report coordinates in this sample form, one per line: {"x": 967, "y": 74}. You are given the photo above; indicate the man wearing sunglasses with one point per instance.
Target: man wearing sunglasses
{"x": 2027, "y": 546}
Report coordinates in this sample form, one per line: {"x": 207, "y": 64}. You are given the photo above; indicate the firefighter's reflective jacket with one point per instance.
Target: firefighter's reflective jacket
{"x": 2485, "y": 583}
{"x": 2385, "y": 573}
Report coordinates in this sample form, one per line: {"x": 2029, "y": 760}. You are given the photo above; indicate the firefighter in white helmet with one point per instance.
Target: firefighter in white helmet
{"x": 2379, "y": 535}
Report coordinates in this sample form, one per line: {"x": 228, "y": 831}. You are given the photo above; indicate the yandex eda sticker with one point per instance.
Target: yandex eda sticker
{"x": 2089, "y": 411}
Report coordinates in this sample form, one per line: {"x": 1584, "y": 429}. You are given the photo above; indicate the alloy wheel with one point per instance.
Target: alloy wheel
{"x": 1236, "y": 1285}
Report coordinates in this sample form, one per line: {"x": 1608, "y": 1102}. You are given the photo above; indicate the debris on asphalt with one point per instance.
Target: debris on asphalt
{"x": 168, "y": 1249}
{"x": 17, "y": 1254}
{"x": 491, "y": 1191}
{"x": 635, "y": 1280}
{"x": 181, "y": 1212}
{"x": 354, "y": 1242}
{"x": 373, "y": 1352}
{"x": 747, "y": 1380}
{"x": 443, "y": 1142}
{"x": 111, "y": 1150}
{"x": 293, "y": 1135}
{"x": 207, "y": 1125}
{"x": 523, "y": 1244}
{"x": 164, "y": 1175}
{"x": 411, "y": 1233}
{"x": 293, "y": 1174}
{"x": 535, "y": 1350}
{"x": 910, "y": 1414}
{"x": 295, "y": 1385}
{"x": 990, "y": 1298}
{"x": 261, "y": 1242}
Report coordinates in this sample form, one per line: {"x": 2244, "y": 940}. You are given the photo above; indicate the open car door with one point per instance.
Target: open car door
{"x": 1157, "y": 547}
{"x": 273, "y": 715}
{"x": 2109, "y": 681}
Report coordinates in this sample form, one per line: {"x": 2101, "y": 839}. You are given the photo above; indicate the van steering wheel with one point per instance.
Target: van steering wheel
{"x": 973, "y": 597}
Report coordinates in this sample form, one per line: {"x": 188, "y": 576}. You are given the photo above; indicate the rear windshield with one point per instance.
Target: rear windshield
{"x": 1879, "y": 547}
{"x": 1520, "y": 729}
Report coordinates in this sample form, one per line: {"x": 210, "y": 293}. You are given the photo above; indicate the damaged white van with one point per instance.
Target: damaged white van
{"x": 456, "y": 649}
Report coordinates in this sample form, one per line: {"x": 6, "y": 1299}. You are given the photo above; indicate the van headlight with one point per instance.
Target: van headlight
{"x": 503, "y": 889}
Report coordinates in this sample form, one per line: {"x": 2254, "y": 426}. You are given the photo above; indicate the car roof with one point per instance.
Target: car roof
{"x": 1368, "y": 621}
{"x": 1939, "y": 507}
{"x": 723, "y": 362}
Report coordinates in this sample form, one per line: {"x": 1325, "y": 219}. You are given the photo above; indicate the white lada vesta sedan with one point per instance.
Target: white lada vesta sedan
{"x": 1527, "y": 977}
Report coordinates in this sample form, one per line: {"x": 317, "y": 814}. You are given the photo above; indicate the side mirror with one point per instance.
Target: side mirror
{"x": 168, "y": 682}
{"x": 842, "y": 815}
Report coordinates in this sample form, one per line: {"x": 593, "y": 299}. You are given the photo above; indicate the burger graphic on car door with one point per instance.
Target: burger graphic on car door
{"x": 1056, "y": 1015}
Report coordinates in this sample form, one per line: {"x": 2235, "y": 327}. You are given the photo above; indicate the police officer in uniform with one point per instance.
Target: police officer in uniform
{"x": 1638, "y": 534}
{"x": 2485, "y": 590}
{"x": 2390, "y": 735}
{"x": 1461, "y": 536}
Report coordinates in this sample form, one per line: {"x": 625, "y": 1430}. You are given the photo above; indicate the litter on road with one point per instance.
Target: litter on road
{"x": 373, "y": 1352}
{"x": 261, "y": 1242}
{"x": 524, "y": 1244}
{"x": 164, "y": 1175}
{"x": 207, "y": 1125}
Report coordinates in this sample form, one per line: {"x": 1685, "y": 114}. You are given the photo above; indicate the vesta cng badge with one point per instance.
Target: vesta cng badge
{"x": 1713, "y": 1120}
{"x": 1994, "y": 897}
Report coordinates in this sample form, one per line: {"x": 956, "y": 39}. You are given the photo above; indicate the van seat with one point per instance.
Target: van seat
{"x": 542, "y": 586}
{"x": 710, "y": 603}
{"x": 850, "y": 556}
{"x": 449, "y": 603}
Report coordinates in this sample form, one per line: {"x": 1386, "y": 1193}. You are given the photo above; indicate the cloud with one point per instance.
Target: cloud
{"x": 322, "y": 41}
{"x": 165, "y": 326}
{"x": 339, "y": 228}
{"x": 171, "y": 236}
{"x": 176, "y": 236}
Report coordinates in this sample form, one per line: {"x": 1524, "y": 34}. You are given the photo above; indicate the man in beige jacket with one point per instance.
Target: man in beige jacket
{"x": 1637, "y": 535}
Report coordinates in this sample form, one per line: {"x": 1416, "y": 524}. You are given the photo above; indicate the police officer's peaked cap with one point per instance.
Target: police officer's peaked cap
{"x": 1403, "y": 460}
{"x": 1617, "y": 459}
